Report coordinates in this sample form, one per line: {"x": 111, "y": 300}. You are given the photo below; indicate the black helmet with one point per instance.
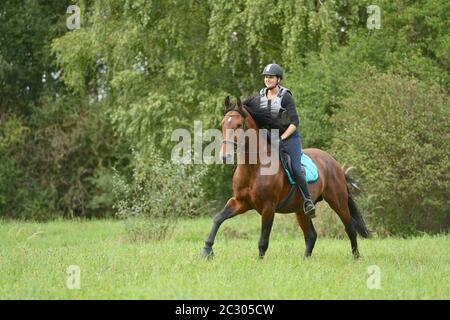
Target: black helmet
{"x": 273, "y": 69}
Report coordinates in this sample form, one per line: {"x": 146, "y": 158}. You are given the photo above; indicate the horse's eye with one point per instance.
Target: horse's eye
{"x": 239, "y": 126}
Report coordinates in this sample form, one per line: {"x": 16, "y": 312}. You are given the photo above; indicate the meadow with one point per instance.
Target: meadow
{"x": 35, "y": 257}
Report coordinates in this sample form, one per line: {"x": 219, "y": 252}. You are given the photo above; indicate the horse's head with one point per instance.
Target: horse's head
{"x": 236, "y": 118}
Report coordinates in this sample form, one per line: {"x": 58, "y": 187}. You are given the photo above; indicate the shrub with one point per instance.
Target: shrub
{"x": 395, "y": 131}
{"x": 158, "y": 194}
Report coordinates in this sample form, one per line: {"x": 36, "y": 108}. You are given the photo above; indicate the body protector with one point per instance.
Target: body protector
{"x": 274, "y": 105}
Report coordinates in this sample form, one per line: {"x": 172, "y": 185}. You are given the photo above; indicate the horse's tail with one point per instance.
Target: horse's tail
{"x": 357, "y": 219}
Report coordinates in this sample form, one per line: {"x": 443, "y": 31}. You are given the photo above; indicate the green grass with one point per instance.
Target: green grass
{"x": 34, "y": 258}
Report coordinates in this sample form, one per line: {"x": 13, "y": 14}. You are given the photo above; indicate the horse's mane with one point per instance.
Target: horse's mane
{"x": 262, "y": 116}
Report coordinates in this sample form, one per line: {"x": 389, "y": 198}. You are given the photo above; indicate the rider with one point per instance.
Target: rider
{"x": 281, "y": 104}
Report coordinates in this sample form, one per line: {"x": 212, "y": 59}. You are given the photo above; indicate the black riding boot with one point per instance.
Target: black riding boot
{"x": 309, "y": 207}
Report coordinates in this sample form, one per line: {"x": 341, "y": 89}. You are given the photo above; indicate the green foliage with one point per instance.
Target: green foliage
{"x": 137, "y": 70}
{"x": 317, "y": 88}
{"x": 27, "y": 29}
{"x": 158, "y": 195}
{"x": 56, "y": 151}
{"x": 12, "y": 131}
{"x": 400, "y": 46}
{"x": 395, "y": 131}
{"x": 59, "y": 164}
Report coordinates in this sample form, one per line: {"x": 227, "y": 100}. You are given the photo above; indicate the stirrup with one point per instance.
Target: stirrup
{"x": 312, "y": 211}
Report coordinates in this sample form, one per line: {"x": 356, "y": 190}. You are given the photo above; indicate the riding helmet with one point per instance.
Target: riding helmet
{"x": 273, "y": 69}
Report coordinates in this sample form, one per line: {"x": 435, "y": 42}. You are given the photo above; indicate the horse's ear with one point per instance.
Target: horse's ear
{"x": 227, "y": 101}
{"x": 239, "y": 103}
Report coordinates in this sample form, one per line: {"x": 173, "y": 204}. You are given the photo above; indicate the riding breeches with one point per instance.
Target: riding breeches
{"x": 293, "y": 146}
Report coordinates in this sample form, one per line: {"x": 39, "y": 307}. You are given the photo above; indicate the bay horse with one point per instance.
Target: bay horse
{"x": 252, "y": 190}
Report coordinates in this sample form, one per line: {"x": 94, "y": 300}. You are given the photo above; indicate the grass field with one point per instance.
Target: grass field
{"x": 34, "y": 259}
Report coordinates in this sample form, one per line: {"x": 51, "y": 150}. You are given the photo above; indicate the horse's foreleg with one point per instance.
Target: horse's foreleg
{"x": 231, "y": 209}
{"x": 267, "y": 217}
{"x": 309, "y": 232}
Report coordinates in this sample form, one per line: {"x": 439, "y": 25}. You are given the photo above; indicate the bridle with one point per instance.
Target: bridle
{"x": 229, "y": 142}
{"x": 245, "y": 127}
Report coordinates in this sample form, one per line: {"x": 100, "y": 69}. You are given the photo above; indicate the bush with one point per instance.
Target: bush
{"x": 158, "y": 194}
{"x": 56, "y": 162}
{"x": 395, "y": 131}
{"x": 17, "y": 201}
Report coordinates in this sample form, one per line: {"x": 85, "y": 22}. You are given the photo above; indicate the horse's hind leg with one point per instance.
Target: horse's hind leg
{"x": 309, "y": 232}
{"x": 340, "y": 206}
{"x": 350, "y": 230}
{"x": 231, "y": 209}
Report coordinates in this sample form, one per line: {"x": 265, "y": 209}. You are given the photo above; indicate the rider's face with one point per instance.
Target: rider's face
{"x": 270, "y": 81}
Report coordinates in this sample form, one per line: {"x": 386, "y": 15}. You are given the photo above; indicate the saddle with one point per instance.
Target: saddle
{"x": 309, "y": 169}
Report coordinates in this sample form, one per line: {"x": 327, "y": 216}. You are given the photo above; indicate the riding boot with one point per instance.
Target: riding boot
{"x": 309, "y": 207}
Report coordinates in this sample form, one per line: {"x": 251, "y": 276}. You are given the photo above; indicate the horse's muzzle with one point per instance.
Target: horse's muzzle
{"x": 227, "y": 158}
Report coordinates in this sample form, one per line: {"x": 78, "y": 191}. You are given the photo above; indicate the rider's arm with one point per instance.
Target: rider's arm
{"x": 289, "y": 104}
{"x": 290, "y": 130}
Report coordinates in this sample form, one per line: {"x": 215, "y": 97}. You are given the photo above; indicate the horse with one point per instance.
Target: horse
{"x": 264, "y": 193}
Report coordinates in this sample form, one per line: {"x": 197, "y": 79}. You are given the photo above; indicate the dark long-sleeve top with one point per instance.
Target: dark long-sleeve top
{"x": 288, "y": 103}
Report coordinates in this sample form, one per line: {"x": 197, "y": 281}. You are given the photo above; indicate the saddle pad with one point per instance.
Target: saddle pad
{"x": 310, "y": 168}
{"x": 311, "y": 172}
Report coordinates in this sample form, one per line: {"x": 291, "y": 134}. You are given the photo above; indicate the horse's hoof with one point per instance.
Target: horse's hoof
{"x": 207, "y": 253}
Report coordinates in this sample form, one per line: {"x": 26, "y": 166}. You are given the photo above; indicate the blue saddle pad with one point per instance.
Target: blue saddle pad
{"x": 311, "y": 172}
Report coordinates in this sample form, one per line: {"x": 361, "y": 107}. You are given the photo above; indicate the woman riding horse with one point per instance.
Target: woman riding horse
{"x": 268, "y": 194}
{"x": 281, "y": 104}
